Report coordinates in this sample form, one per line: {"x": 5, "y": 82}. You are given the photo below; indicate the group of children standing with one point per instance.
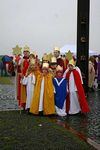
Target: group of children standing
{"x": 47, "y": 93}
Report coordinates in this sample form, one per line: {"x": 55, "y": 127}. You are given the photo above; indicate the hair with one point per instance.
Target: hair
{"x": 30, "y": 69}
{"x": 91, "y": 58}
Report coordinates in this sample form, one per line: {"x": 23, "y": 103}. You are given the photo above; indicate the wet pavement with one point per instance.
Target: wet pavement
{"x": 89, "y": 125}
{"x": 8, "y": 96}
{"x": 86, "y": 126}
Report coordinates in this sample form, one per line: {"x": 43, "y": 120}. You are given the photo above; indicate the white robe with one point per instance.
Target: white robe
{"x": 74, "y": 102}
{"x": 29, "y": 81}
{"x": 41, "y": 96}
{"x": 61, "y": 112}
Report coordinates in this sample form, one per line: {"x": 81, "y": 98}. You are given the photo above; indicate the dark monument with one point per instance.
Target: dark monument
{"x": 83, "y": 39}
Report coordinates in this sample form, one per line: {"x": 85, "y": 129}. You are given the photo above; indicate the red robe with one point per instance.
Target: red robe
{"x": 81, "y": 95}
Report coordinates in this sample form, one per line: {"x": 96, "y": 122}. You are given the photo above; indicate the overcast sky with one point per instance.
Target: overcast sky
{"x": 43, "y": 24}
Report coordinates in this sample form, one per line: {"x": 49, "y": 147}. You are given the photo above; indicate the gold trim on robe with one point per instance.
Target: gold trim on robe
{"x": 23, "y": 94}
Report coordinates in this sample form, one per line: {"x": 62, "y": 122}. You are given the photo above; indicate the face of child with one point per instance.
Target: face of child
{"x": 56, "y": 53}
{"x": 70, "y": 67}
{"x": 35, "y": 67}
{"x": 26, "y": 53}
{"x": 44, "y": 70}
{"x": 59, "y": 73}
{"x": 53, "y": 66}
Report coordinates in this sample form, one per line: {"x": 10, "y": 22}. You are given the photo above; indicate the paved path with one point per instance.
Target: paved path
{"x": 88, "y": 125}
{"x": 7, "y": 97}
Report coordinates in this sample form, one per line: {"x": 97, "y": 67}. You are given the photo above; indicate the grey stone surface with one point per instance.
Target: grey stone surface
{"x": 8, "y": 96}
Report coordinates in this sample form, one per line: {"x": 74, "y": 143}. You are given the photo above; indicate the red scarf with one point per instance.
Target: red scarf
{"x": 82, "y": 99}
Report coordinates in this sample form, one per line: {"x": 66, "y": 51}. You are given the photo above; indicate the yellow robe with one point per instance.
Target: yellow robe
{"x": 48, "y": 98}
{"x": 36, "y": 73}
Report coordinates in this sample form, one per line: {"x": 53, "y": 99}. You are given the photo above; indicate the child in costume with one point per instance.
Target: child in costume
{"x": 23, "y": 65}
{"x": 53, "y": 65}
{"x": 43, "y": 97}
{"x": 76, "y": 100}
{"x": 29, "y": 80}
{"x": 60, "y": 85}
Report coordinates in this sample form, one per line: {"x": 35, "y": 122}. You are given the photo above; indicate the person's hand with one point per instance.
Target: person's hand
{"x": 26, "y": 74}
{"x": 22, "y": 76}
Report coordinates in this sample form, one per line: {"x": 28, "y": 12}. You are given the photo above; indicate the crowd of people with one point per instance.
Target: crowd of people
{"x": 53, "y": 86}
{"x": 94, "y": 73}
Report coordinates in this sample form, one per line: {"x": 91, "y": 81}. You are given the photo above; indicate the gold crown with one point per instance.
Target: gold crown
{"x": 50, "y": 55}
{"x": 17, "y": 50}
{"x": 45, "y": 57}
{"x": 34, "y": 53}
{"x": 59, "y": 68}
{"x": 69, "y": 55}
{"x": 71, "y": 62}
{"x": 45, "y": 65}
{"x": 26, "y": 48}
{"x": 56, "y": 49}
{"x": 53, "y": 60}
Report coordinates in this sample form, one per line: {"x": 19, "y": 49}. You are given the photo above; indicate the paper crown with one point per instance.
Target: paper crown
{"x": 71, "y": 62}
{"x": 45, "y": 65}
{"x": 34, "y": 53}
{"x": 59, "y": 68}
{"x": 69, "y": 55}
{"x": 32, "y": 61}
{"x": 45, "y": 57}
{"x": 26, "y": 48}
{"x": 53, "y": 60}
{"x": 50, "y": 55}
{"x": 17, "y": 50}
{"x": 56, "y": 49}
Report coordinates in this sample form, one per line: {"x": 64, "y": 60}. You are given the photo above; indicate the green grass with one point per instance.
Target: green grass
{"x": 28, "y": 132}
{"x": 5, "y": 80}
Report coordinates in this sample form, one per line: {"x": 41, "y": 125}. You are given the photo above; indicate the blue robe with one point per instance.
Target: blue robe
{"x": 60, "y": 85}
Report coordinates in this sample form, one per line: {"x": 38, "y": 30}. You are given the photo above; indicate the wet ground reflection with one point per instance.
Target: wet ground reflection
{"x": 85, "y": 126}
